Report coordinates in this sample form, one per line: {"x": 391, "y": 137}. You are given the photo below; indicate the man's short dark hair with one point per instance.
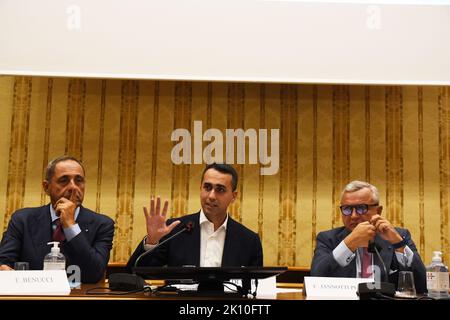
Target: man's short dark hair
{"x": 50, "y": 171}
{"x": 223, "y": 168}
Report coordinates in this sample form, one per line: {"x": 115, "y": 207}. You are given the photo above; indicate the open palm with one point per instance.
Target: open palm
{"x": 156, "y": 221}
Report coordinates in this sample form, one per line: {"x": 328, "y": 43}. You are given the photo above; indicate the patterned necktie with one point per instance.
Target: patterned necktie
{"x": 366, "y": 264}
{"x": 58, "y": 233}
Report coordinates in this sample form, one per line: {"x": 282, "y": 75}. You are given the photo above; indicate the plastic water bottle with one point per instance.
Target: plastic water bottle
{"x": 437, "y": 277}
{"x": 55, "y": 260}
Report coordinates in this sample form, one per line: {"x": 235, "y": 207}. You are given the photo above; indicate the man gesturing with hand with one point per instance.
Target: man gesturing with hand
{"x": 211, "y": 237}
{"x": 156, "y": 222}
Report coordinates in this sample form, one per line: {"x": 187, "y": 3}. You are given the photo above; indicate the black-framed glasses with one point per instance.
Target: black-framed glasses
{"x": 359, "y": 208}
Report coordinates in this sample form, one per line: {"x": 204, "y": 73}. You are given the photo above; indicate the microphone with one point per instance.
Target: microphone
{"x": 376, "y": 290}
{"x": 187, "y": 228}
{"x": 133, "y": 282}
{"x": 376, "y": 248}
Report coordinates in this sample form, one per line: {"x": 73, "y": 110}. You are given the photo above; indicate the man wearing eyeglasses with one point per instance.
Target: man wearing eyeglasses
{"x": 342, "y": 252}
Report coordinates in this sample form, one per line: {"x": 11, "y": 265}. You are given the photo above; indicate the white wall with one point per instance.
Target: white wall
{"x": 238, "y": 40}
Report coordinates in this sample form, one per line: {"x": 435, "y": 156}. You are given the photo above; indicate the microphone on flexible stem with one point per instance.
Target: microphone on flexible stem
{"x": 374, "y": 248}
{"x": 187, "y": 227}
{"x": 133, "y": 282}
{"x": 376, "y": 290}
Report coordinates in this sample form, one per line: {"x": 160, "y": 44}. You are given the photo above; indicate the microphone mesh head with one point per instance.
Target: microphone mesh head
{"x": 373, "y": 247}
{"x": 189, "y": 226}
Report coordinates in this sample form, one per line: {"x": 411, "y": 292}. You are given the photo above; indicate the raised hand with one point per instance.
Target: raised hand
{"x": 156, "y": 221}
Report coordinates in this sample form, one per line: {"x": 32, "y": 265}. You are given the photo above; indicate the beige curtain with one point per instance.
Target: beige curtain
{"x": 398, "y": 138}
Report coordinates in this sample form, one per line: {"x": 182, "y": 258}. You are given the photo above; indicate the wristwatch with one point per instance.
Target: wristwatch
{"x": 399, "y": 244}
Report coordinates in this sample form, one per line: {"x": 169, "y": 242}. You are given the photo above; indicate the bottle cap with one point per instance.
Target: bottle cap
{"x": 437, "y": 256}
{"x": 55, "y": 249}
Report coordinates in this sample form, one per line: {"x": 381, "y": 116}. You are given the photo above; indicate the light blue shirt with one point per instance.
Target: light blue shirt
{"x": 72, "y": 231}
{"x": 343, "y": 256}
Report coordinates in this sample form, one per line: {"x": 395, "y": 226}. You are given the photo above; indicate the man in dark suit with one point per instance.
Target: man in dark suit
{"x": 342, "y": 252}
{"x": 85, "y": 236}
{"x": 215, "y": 239}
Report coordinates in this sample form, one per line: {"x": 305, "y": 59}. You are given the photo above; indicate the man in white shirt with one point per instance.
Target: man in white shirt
{"x": 342, "y": 252}
{"x": 211, "y": 237}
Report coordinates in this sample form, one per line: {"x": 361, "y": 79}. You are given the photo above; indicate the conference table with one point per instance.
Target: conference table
{"x": 95, "y": 292}
{"x": 87, "y": 300}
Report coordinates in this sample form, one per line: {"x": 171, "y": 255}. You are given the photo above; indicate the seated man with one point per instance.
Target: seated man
{"x": 85, "y": 236}
{"x": 215, "y": 239}
{"x": 342, "y": 252}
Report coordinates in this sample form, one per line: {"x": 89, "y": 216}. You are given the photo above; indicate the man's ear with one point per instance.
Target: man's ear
{"x": 45, "y": 186}
{"x": 234, "y": 196}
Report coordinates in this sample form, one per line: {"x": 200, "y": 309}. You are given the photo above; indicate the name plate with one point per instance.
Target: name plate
{"x": 333, "y": 288}
{"x": 34, "y": 282}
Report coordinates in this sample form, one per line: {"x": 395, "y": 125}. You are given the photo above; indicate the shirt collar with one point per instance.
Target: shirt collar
{"x": 54, "y": 216}
{"x": 204, "y": 219}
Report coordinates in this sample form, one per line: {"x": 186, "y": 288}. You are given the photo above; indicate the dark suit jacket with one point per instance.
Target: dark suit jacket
{"x": 29, "y": 231}
{"x": 242, "y": 247}
{"x": 324, "y": 264}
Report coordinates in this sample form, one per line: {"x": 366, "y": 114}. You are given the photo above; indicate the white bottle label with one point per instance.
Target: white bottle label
{"x": 437, "y": 281}
{"x": 432, "y": 281}
{"x": 54, "y": 266}
{"x": 443, "y": 280}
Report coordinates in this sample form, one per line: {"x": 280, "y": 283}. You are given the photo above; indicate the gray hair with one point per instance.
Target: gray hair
{"x": 50, "y": 171}
{"x": 358, "y": 185}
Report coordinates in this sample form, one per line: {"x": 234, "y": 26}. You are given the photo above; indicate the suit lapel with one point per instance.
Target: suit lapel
{"x": 84, "y": 221}
{"x": 41, "y": 231}
{"x": 386, "y": 253}
{"x": 228, "y": 254}
{"x": 195, "y": 244}
{"x": 341, "y": 235}
{"x": 185, "y": 249}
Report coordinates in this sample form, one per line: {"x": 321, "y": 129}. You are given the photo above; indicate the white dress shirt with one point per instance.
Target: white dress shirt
{"x": 343, "y": 255}
{"x": 211, "y": 242}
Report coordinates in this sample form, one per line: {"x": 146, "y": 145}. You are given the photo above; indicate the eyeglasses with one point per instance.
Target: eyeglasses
{"x": 359, "y": 208}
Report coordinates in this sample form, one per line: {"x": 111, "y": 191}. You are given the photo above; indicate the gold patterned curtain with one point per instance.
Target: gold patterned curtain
{"x": 398, "y": 138}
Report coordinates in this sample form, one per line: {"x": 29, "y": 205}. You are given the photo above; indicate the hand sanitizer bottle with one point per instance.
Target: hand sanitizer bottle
{"x": 55, "y": 260}
{"x": 437, "y": 277}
